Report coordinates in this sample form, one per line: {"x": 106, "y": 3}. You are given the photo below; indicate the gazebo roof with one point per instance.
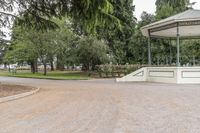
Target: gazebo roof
{"x": 187, "y": 21}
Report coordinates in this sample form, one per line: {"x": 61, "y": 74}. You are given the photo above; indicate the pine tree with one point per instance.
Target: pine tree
{"x": 38, "y": 13}
{"x": 120, "y": 38}
{"x": 166, "y": 8}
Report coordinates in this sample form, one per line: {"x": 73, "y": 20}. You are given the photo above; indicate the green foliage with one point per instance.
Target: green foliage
{"x": 190, "y": 52}
{"x": 91, "y": 52}
{"x": 20, "y": 54}
{"x": 92, "y": 13}
{"x": 20, "y": 49}
{"x": 164, "y": 11}
{"x": 28, "y": 45}
{"x": 3, "y": 48}
{"x": 164, "y": 51}
{"x": 110, "y": 70}
{"x": 177, "y": 5}
{"x": 38, "y": 13}
{"x": 62, "y": 43}
{"x": 166, "y": 8}
{"x": 120, "y": 39}
{"x": 139, "y": 45}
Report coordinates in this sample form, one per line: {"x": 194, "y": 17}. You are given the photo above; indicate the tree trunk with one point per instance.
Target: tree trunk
{"x": 86, "y": 67}
{"x": 194, "y": 61}
{"x": 52, "y": 67}
{"x": 45, "y": 69}
{"x": 60, "y": 65}
{"x": 158, "y": 61}
{"x": 32, "y": 67}
{"x": 36, "y": 66}
{"x": 9, "y": 68}
{"x": 167, "y": 62}
{"x": 5, "y": 66}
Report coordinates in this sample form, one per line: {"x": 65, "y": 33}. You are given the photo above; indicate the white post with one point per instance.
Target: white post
{"x": 149, "y": 50}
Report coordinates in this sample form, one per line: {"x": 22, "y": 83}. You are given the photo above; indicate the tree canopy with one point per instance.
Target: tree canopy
{"x": 38, "y": 13}
{"x": 87, "y": 33}
{"x": 166, "y": 8}
{"x": 120, "y": 39}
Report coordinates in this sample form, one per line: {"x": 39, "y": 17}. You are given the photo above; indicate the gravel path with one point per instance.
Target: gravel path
{"x": 102, "y": 106}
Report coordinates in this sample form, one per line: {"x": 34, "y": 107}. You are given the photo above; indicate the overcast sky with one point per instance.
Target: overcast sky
{"x": 149, "y": 6}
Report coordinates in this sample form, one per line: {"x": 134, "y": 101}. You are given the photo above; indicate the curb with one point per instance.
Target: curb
{"x": 18, "y": 96}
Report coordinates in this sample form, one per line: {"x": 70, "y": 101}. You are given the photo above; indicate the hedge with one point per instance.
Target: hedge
{"x": 109, "y": 70}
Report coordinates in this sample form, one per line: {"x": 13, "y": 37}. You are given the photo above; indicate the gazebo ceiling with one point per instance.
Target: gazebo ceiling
{"x": 188, "y": 23}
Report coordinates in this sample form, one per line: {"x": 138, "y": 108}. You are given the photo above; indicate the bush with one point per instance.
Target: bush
{"x": 109, "y": 70}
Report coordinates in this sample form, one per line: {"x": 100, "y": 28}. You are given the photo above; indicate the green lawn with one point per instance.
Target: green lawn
{"x": 57, "y": 75}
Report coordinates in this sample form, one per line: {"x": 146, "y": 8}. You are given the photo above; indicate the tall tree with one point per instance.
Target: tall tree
{"x": 38, "y": 13}
{"x": 164, "y": 50}
{"x": 91, "y": 52}
{"x": 190, "y": 51}
{"x": 119, "y": 39}
{"x": 139, "y": 48}
{"x": 166, "y": 8}
{"x": 30, "y": 45}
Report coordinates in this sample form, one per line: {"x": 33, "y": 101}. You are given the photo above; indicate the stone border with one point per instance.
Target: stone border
{"x": 18, "y": 96}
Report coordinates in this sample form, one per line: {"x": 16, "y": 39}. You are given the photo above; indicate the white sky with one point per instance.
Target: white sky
{"x": 149, "y": 6}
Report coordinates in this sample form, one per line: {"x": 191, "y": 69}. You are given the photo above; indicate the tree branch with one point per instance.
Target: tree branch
{"x": 8, "y": 14}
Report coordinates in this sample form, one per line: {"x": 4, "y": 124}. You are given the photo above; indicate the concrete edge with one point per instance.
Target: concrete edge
{"x": 18, "y": 96}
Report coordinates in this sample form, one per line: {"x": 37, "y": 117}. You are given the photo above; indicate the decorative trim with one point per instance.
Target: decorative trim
{"x": 161, "y": 72}
{"x": 174, "y": 38}
{"x": 189, "y": 23}
{"x": 137, "y": 74}
{"x": 182, "y": 72}
{"x": 169, "y": 26}
{"x": 173, "y": 25}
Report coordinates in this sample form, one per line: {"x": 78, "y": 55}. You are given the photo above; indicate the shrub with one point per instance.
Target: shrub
{"x": 113, "y": 70}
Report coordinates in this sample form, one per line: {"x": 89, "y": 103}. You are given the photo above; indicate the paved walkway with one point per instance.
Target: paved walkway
{"x": 102, "y": 106}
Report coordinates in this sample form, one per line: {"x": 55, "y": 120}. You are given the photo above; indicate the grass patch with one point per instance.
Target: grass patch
{"x": 56, "y": 75}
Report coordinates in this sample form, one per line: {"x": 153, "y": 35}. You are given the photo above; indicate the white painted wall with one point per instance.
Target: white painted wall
{"x": 162, "y": 74}
{"x": 179, "y": 75}
{"x": 189, "y": 75}
{"x": 139, "y": 75}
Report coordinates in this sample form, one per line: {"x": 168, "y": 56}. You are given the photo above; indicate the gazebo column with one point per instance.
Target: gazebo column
{"x": 178, "y": 46}
{"x": 149, "y": 49}
{"x": 170, "y": 50}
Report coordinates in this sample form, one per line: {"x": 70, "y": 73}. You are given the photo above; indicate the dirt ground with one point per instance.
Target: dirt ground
{"x": 9, "y": 90}
{"x": 102, "y": 106}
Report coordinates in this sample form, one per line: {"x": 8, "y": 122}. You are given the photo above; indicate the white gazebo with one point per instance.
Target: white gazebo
{"x": 184, "y": 25}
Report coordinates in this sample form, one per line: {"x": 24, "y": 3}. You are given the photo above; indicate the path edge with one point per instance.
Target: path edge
{"x": 18, "y": 96}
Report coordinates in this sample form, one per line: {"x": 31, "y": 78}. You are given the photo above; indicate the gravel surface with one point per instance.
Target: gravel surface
{"x": 102, "y": 106}
{"x": 9, "y": 90}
